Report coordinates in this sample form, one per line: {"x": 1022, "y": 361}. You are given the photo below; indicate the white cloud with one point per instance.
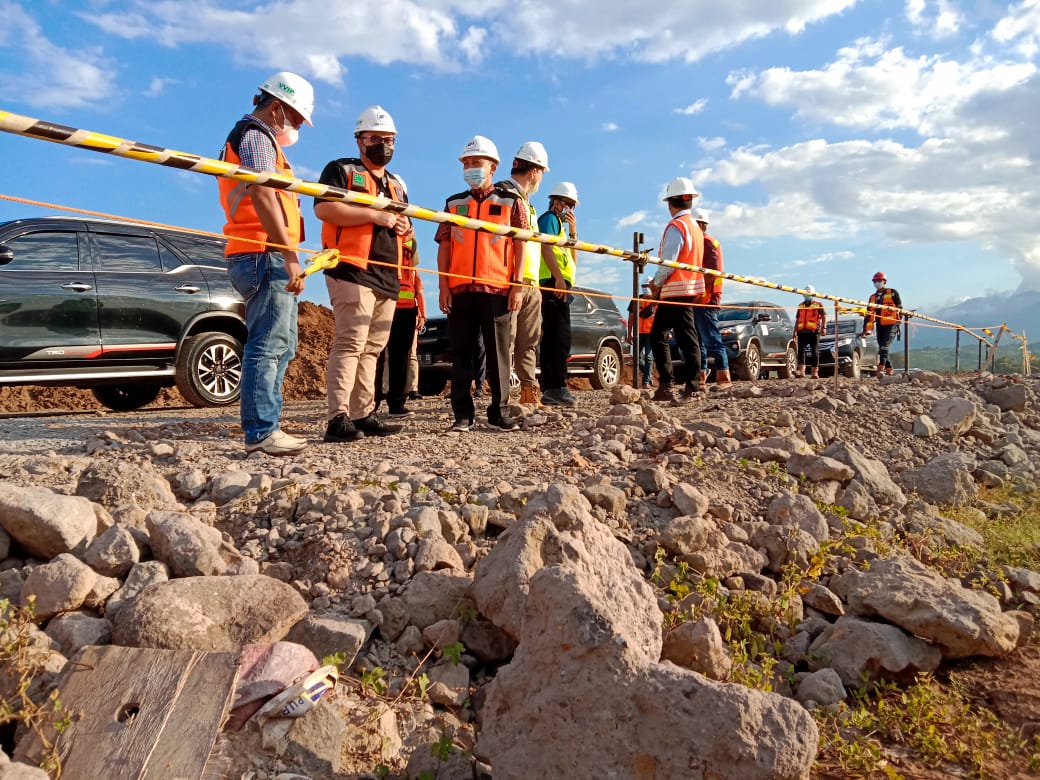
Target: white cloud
{"x": 52, "y": 77}
{"x": 937, "y": 18}
{"x": 610, "y": 127}
{"x": 824, "y": 258}
{"x": 158, "y": 85}
{"x": 711, "y": 144}
{"x": 631, "y": 219}
{"x": 694, "y": 108}
{"x": 1021, "y": 27}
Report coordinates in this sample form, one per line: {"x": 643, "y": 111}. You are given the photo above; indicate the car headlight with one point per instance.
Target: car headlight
{"x": 844, "y": 342}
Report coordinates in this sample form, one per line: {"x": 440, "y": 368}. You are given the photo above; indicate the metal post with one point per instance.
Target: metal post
{"x": 834, "y": 349}
{"x": 637, "y": 269}
{"x": 906, "y": 347}
{"x": 980, "y": 356}
{"x": 957, "y": 352}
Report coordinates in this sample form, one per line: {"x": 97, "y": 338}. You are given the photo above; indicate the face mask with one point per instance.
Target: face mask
{"x": 807, "y": 299}
{"x": 474, "y": 176}
{"x": 379, "y": 154}
{"x": 565, "y": 211}
{"x": 286, "y": 135}
{"x": 878, "y": 285}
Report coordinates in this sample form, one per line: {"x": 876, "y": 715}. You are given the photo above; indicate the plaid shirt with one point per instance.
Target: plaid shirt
{"x": 257, "y": 150}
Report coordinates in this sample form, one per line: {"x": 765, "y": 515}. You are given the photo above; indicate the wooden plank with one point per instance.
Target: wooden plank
{"x": 123, "y": 701}
{"x": 198, "y": 714}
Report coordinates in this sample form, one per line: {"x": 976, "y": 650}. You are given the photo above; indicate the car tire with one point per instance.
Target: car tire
{"x": 209, "y": 369}
{"x": 749, "y": 366}
{"x": 853, "y": 370}
{"x": 790, "y": 366}
{"x": 607, "y": 368}
{"x": 432, "y": 383}
{"x": 126, "y": 398}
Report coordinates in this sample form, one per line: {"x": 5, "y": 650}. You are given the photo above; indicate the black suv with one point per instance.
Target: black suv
{"x": 122, "y": 309}
{"x": 759, "y": 336}
{"x": 855, "y": 354}
{"x": 598, "y": 342}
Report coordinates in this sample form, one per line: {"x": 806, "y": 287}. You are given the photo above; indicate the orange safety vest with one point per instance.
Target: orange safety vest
{"x": 810, "y": 317}
{"x": 355, "y": 243}
{"x": 243, "y": 228}
{"x": 406, "y": 297}
{"x": 712, "y": 260}
{"x": 889, "y": 314}
{"x": 475, "y": 256}
{"x": 646, "y": 322}
{"x": 682, "y": 283}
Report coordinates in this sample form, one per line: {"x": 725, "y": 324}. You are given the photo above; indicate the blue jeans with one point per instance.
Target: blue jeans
{"x": 271, "y": 341}
{"x": 711, "y": 339}
{"x": 646, "y": 358}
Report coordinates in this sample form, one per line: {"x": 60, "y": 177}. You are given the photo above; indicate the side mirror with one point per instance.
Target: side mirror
{"x": 6, "y": 254}
{"x": 762, "y": 318}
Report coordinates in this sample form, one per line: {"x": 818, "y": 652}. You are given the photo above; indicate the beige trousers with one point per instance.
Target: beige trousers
{"x": 363, "y": 319}
{"x": 526, "y": 334}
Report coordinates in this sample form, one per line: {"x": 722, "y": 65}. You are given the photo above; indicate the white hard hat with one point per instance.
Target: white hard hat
{"x": 565, "y": 189}
{"x": 533, "y": 152}
{"x": 680, "y": 186}
{"x": 479, "y": 146}
{"x": 810, "y": 289}
{"x": 701, "y": 215}
{"x": 374, "y": 119}
{"x": 295, "y": 91}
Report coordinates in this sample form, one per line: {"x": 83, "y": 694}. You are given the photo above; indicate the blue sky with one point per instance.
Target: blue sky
{"x": 830, "y": 138}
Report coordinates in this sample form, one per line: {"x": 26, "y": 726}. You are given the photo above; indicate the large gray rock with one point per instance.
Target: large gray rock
{"x": 140, "y": 577}
{"x": 872, "y": 473}
{"x": 76, "y": 630}
{"x": 59, "y": 586}
{"x": 685, "y": 534}
{"x": 955, "y": 414}
{"x": 794, "y": 510}
{"x": 112, "y": 484}
{"x": 1009, "y": 397}
{"x": 47, "y": 524}
{"x": 113, "y": 553}
{"x": 689, "y": 500}
{"x": 822, "y": 688}
{"x": 946, "y": 479}
{"x": 819, "y": 469}
{"x": 698, "y": 645}
{"x": 189, "y": 547}
{"x": 209, "y": 613}
{"x": 331, "y": 634}
{"x": 434, "y": 595}
{"x": 905, "y": 592}
{"x": 863, "y": 652}
{"x": 588, "y": 617}
{"x": 925, "y": 521}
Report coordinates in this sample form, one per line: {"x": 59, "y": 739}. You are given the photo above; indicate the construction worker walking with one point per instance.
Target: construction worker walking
{"x": 679, "y": 290}
{"x": 364, "y": 287}
{"x": 885, "y": 316}
{"x": 556, "y": 274}
{"x": 810, "y": 321}
{"x": 480, "y": 283}
{"x": 707, "y": 314}
{"x": 264, "y": 227}
{"x": 529, "y": 165}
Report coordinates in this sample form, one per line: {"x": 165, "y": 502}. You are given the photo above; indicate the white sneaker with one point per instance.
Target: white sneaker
{"x": 278, "y": 443}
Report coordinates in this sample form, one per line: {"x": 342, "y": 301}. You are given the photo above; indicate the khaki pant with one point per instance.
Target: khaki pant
{"x": 525, "y": 334}
{"x": 363, "y": 319}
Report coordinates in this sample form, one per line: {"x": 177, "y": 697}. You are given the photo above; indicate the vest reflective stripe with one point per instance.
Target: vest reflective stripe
{"x": 682, "y": 283}
{"x": 563, "y": 260}
{"x": 478, "y": 257}
{"x": 243, "y": 228}
{"x": 888, "y": 315}
{"x": 406, "y": 295}
{"x": 532, "y": 249}
{"x": 810, "y": 317}
{"x": 355, "y": 243}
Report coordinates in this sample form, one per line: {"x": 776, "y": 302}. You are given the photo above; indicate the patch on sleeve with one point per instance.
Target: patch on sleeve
{"x": 462, "y": 211}
{"x": 495, "y": 211}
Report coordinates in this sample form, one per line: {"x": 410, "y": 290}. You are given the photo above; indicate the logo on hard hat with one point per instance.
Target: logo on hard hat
{"x": 286, "y": 88}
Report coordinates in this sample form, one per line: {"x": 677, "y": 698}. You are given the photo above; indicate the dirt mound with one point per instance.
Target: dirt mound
{"x": 304, "y": 380}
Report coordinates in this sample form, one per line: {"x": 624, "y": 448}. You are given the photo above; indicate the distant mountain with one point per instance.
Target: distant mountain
{"x": 1020, "y": 310}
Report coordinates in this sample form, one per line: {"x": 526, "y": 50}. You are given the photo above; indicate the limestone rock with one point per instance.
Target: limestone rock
{"x": 59, "y": 586}
{"x": 822, "y": 687}
{"x": 435, "y": 595}
{"x": 189, "y": 547}
{"x": 955, "y": 414}
{"x": 685, "y": 534}
{"x": 689, "y": 500}
{"x": 331, "y": 634}
{"x": 436, "y": 553}
{"x": 1010, "y": 398}
{"x": 113, "y": 553}
{"x": 698, "y": 645}
{"x": 76, "y": 630}
{"x": 45, "y": 523}
{"x": 862, "y": 651}
{"x": 794, "y": 510}
{"x": 113, "y": 484}
{"x": 872, "y": 473}
{"x": 946, "y": 479}
{"x": 818, "y": 469}
{"x": 141, "y": 576}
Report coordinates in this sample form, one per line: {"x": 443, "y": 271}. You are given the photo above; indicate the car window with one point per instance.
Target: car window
{"x": 127, "y": 253}
{"x": 736, "y": 314}
{"x": 580, "y": 304}
{"x": 169, "y": 258}
{"x": 199, "y": 249}
{"x": 50, "y": 251}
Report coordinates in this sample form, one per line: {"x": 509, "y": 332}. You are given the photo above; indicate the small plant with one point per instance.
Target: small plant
{"x": 372, "y": 682}
{"x": 423, "y": 681}
{"x": 443, "y": 748}
{"x": 334, "y": 659}
{"x": 453, "y": 652}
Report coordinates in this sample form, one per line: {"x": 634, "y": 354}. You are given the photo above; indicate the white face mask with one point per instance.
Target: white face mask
{"x": 878, "y": 285}
{"x": 286, "y": 135}
{"x": 565, "y": 211}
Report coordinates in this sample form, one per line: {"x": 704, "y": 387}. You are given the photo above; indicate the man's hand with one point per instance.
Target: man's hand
{"x": 571, "y": 222}
{"x": 445, "y": 300}
{"x": 419, "y": 322}
{"x": 516, "y": 297}
{"x": 386, "y": 218}
{"x": 296, "y": 278}
{"x": 560, "y": 287}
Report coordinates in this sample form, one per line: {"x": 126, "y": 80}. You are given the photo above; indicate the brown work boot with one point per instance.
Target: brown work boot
{"x": 704, "y": 380}
{"x": 527, "y": 395}
{"x": 665, "y": 392}
{"x": 888, "y": 370}
{"x": 723, "y": 380}
{"x": 816, "y": 373}
{"x": 690, "y": 391}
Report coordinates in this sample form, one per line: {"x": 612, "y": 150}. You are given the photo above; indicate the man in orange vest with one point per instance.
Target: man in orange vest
{"x": 409, "y": 316}
{"x": 481, "y": 284}
{"x": 364, "y": 287}
{"x": 679, "y": 290}
{"x": 887, "y": 319}
{"x": 264, "y": 228}
{"x": 809, "y": 322}
{"x": 646, "y": 323}
{"x": 707, "y": 314}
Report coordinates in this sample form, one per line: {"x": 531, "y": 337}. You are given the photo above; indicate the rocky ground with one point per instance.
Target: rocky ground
{"x": 593, "y": 584}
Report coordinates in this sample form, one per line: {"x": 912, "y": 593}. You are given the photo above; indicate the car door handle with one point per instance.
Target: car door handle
{"x": 77, "y": 286}
{"x": 191, "y": 289}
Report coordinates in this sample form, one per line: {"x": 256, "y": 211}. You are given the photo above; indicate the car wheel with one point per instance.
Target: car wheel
{"x": 750, "y": 364}
{"x": 432, "y": 383}
{"x": 209, "y": 369}
{"x": 852, "y": 370}
{"x": 790, "y": 366}
{"x": 126, "y": 398}
{"x": 606, "y": 369}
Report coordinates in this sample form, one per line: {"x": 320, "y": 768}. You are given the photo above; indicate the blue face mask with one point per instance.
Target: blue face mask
{"x": 474, "y": 176}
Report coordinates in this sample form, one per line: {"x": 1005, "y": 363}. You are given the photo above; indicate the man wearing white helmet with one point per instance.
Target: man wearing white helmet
{"x": 529, "y": 166}
{"x": 707, "y": 314}
{"x": 364, "y": 287}
{"x": 481, "y": 283}
{"x": 264, "y": 228}
{"x": 680, "y": 290}
{"x": 809, "y": 322}
{"x": 557, "y": 273}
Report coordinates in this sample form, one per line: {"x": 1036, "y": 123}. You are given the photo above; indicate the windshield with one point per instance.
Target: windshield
{"x": 735, "y": 314}
{"x": 847, "y": 326}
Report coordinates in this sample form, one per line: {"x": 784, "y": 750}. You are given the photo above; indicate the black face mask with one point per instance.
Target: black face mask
{"x": 379, "y": 154}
